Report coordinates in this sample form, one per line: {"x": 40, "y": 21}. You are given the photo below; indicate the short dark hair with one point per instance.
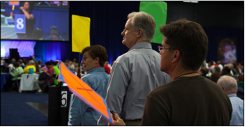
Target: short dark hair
{"x": 217, "y": 69}
{"x": 190, "y": 39}
{"x": 54, "y": 62}
{"x": 225, "y": 71}
{"x": 97, "y": 51}
{"x": 215, "y": 77}
{"x": 16, "y": 64}
{"x": 204, "y": 71}
{"x": 48, "y": 63}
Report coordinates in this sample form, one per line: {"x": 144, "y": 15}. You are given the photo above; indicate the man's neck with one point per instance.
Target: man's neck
{"x": 230, "y": 92}
{"x": 179, "y": 71}
{"x": 139, "y": 41}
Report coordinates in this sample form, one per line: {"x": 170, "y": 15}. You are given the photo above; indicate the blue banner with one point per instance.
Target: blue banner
{"x": 20, "y": 23}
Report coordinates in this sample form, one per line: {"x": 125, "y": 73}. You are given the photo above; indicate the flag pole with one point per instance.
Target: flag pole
{"x": 79, "y": 69}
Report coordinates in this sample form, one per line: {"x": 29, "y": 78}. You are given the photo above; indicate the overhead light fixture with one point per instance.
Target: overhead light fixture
{"x": 191, "y": 1}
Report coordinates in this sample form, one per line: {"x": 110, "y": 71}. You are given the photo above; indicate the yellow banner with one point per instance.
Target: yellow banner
{"x": 80, "y": 33}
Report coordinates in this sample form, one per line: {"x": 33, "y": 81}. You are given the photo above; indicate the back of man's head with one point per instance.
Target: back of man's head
{"x": 228, "y": 84}
{"x": 226, "y": 71}
{"x": 145, "y": 22}
{"x": 32, "y": 62}
{"x": 190, "y": 39}
{"x": 13, "y": 60}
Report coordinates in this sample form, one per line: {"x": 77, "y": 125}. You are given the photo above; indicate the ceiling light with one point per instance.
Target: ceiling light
{"x": 191, "y": 1}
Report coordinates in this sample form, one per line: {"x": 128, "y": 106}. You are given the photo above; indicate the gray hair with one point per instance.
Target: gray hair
{"x": 32, "y": 62}
{"x": 145, "y": 22}
{"x": 227, "y": 82}
{"x": 13, "y": 60}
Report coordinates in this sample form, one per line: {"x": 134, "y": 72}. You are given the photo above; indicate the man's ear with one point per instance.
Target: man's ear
{"x": 140, "y": 33}
{"x": 176, "y": 56}
{"x": 97, "y": 59}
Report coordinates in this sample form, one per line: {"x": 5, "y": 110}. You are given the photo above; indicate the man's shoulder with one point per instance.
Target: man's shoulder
{"x": 162, "y": 89}
{"x": 135, "y": 53}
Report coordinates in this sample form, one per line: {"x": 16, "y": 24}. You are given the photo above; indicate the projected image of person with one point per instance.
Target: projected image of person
{"x": 53, "y": 32}
{"x": 55, "y": 36}
{"x": 26, "y": 9}
{"x": 227, "y": 51}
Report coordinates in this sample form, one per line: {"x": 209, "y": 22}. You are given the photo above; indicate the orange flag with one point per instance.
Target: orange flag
{"x": 84, "y": 92}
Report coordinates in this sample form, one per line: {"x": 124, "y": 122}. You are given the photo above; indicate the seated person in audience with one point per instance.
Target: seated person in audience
{"x": 240, "y": 83}
{"x": 220, "y": 65}
{"x": 215, "y": 76}
{"x": 37, "y": 66}
{"x": 48, "y": 80}
{"x": 107, "y": 68}
{"x": 44, "y": 68}
{"x": 241, "y": 68}
{"x": 56, "y": 71}
{"x": 21, "y": 63}
{"x": 229, "y": 86}
{"x": 211, "y": 66}
{"x": 231, "y": 67}
{"x": 41, "y": 64}
{"x": 75, "y": 60}
{"x": 31, "y": 64}
{"x": 11, "y": 65}
{"x": 217, "y": 69}
{"x": 93, "y": 61}
{"x": 71, "y": 66}
{"x": 15, "y": 76}
{"x": 203, "y": 72}
{"x": 2, "y": 62}
{"x": 226, "y": 71}
{"x": 17, "y": 71}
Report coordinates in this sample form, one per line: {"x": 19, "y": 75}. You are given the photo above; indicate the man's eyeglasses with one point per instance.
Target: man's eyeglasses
{"x": 84, "y": 58}
{"x": 160, "y": 48}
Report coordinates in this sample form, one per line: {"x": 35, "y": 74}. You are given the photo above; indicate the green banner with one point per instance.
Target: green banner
{"x": 158, "y": 10}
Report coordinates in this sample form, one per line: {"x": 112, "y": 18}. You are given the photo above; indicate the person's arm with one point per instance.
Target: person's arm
{"x": 75, "y": 116}
{"x": 50, "y": 72}
{"x": 118, "y": 84}
{"x": 16, "y": 73}
{"x": 118, "y": 121}
{"x": 12, "y": 15}
{"x": 28, "y": 16}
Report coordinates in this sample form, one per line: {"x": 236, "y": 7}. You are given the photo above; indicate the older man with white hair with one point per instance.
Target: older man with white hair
{"x": 229, "y": 86}
{"x": 31, "y": 64}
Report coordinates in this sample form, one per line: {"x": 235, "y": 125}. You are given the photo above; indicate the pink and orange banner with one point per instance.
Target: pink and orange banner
{"x": 84, "y": 92}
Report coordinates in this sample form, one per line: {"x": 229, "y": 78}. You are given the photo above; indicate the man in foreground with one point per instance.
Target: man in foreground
{"x": 135, "y": 73}
{"x": 190, "y": 99}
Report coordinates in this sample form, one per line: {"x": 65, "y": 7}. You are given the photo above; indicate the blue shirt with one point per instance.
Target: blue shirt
{"x": 81, "y": 113}
{"x": 237, "y": 110}
{"x": 133, "y": 76}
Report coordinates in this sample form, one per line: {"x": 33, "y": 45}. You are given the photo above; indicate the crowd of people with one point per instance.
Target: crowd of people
{"x": 174, "y": 86}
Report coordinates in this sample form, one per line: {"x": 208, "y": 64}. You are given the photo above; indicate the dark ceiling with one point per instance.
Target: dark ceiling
{"x": 240, "y": 3}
